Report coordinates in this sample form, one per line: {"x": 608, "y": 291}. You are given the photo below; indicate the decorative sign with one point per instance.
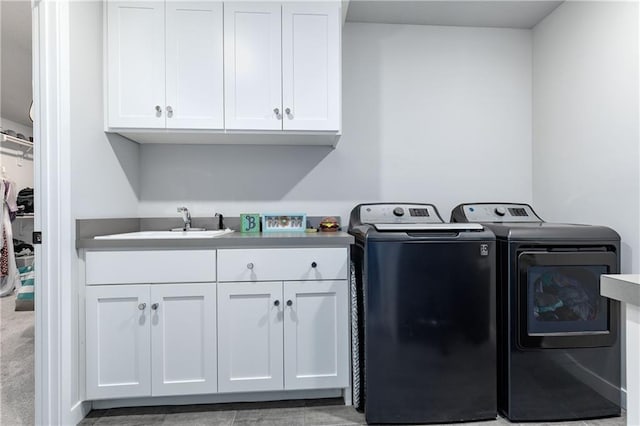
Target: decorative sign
{"x": 284, "y": 222}
{"x": 250, "y": 223}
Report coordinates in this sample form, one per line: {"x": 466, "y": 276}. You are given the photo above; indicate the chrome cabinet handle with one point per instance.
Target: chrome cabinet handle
{"x": 155, "y": 306}
{"x": 158, "y": 109}
{"x": 289, "y": 303}
{"x": 169, "y": 111}
{"x": 142, "y": 306}
{"x": 276, "y": 303}
{"x": 287, "y": 111}
{"x": 276, "y": 111}
{"x": 249, "y": 265}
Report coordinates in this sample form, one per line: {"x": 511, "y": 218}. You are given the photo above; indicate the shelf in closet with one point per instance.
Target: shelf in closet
{"x": 17, "y": 141}
{"x": 25, "y": 216}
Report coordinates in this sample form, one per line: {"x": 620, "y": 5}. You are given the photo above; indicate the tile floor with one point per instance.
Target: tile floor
{"x": 326, "y": 412}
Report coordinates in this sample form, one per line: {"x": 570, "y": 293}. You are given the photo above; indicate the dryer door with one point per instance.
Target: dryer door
{"x": 559, "y": 301}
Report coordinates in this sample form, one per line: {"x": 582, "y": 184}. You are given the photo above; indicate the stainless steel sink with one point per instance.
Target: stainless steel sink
{"x": 164, "y": 235}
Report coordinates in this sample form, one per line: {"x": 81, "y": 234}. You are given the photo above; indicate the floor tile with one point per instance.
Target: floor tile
{"x": 257, "y": 415}
{"x": 332, "y": 415}
{"x": 207, "y": 418}
{"x": 285, "y": 421}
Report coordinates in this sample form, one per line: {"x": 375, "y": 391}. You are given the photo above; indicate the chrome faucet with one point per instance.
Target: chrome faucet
{"x": 186, "y": 217}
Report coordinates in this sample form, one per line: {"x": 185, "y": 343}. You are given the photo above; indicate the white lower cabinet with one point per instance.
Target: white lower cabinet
{"x": 316, "y": 334}
{"x": 276, "y": 319}
{"x": 250, "y": 336}
{"x": 118, "y": 341}
{"x": 283, "y": 335}
{"x": 150, "y": 340}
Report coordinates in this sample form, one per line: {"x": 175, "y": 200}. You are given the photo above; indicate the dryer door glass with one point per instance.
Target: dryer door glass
{"x": 559, "y": 299}
{"x": 565, "y": 299}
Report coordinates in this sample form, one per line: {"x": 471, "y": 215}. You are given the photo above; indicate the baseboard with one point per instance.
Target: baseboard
{"x": 218, "y": 398}
{"x": 623, "y": 398}
{"x": 79, "y": 412}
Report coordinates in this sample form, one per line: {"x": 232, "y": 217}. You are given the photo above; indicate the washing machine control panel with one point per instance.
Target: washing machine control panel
{"x": 399, "y": 213}
{"x": 499, "y": 212}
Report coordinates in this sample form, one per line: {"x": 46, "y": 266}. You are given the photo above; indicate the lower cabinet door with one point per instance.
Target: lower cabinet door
{"x": 316, "y": 334}
{"x": 250, "y": 336}
{"x": 118, "y": 341}
{"x": 183, "y": 338}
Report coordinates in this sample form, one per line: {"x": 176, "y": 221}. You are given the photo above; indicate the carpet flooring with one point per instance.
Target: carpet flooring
{"x": 17, "y": 383}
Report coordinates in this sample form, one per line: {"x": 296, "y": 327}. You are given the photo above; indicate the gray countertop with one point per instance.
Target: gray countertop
{"x": 625, "y": 288}
{"x": 88, "y": 228}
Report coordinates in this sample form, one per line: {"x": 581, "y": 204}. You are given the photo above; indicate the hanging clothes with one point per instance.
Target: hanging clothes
{"x": 10, "y": 277}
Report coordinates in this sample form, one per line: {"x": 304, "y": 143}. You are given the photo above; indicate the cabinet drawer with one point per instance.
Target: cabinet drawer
{"x": 150, "y": 266}
{"x": 282, "y": 264}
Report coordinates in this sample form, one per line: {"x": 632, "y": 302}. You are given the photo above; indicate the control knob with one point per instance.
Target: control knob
{"x": 500, "y": 211}
{"x": 398, "y": 211}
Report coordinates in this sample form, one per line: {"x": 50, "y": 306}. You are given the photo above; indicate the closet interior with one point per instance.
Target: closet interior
{"x": 17, "y": 252}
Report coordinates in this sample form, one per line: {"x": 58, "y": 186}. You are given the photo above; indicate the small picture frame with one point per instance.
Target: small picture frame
{"x": 284, "y": 222}
{"x": 250, "y": 223}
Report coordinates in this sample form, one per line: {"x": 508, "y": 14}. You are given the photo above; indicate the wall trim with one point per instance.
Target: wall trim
{"x": 53, "y": 367}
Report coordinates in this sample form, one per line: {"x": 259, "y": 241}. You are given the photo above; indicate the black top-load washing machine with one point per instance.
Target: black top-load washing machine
{"x": 426, "y": 315}
{"x": 558, "y": 339}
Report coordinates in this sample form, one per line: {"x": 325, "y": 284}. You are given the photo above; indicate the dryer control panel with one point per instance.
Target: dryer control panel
{"x": 494, "y": 212}
{"x": 398, "y": 213}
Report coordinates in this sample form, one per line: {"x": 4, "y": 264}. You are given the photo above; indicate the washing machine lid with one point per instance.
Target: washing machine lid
{"x": 427, "y": 227}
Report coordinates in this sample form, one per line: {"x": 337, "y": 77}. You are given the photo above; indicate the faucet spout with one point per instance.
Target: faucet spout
{"x": 186, "y": 217}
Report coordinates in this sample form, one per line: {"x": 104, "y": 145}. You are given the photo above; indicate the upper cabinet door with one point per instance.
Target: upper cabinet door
{"x": 135, "y": 58}
{"x": 252, "y": 56}
{"x": 311, "y": 66}
{"x": 195, "y": 98}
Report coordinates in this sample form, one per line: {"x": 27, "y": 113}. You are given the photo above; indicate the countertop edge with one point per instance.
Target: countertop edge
{"x": 229, "y": 241}
{"x": 622, "y": 287}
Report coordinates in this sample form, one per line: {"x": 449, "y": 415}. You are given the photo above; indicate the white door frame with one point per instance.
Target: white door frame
{"x": 53, "y": 387}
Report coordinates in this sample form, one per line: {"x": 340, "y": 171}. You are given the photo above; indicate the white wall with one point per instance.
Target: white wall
{"x": 105, "y": 179}
{"x": 430, "y": 114}
{"x": 585, "y": 118}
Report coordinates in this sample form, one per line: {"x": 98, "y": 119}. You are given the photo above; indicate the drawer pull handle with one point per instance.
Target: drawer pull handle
{"x": 289, "y": 303}
{"x": 249, "y": 265}
{"x": 276, "y": 303}
{"x": 155, "y": 306}
{"x": 142, "y": 306}
{"x": 314, "y": 264}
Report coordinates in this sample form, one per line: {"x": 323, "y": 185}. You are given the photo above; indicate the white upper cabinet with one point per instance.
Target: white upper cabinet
{"x": 232, "y": 72}
{"x": 165, "y": 65}
{"x": 135, "y": 58}
{"x": 282, "y": 66}
{"x": 194, "y": 66}
{"x": 252, "y": 41}
{"x": 311, "y": 66}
